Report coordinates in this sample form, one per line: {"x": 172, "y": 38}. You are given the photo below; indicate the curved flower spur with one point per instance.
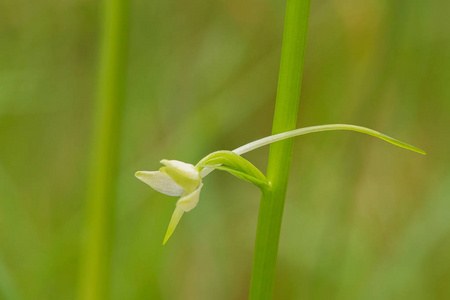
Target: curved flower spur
{"x": 177, "y": 178}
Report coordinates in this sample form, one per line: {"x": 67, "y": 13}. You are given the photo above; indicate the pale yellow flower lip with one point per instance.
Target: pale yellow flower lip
{"x": 184, "y": 204}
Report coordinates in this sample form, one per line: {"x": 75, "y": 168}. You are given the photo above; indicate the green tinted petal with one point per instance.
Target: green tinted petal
{"x": 185, "y": 175}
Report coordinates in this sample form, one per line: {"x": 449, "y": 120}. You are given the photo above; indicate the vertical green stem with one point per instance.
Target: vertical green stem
{"x": 285, "y": 118}
{"x": 95, "y": 273}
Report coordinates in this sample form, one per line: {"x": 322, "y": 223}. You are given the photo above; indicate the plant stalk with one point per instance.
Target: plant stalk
{"x": 98, "y": 235}
{"x": 285, "y": 119}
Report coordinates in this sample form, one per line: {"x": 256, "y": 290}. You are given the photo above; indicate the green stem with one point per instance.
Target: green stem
{"x": 285, "y": 119}
{"x": 95, "y": 273}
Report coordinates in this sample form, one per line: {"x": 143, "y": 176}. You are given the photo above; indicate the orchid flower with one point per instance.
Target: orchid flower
{"x": 177, "y": 178}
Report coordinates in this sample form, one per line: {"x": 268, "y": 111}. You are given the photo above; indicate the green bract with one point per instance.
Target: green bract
{"x": 236, "y": 165}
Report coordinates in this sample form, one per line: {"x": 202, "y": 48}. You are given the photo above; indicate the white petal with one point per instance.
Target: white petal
{"x": 185, "y": 175}
{"x": 190, "y": 201}
{"x": 182, "y": 168}
{"x": 160, "y": 182}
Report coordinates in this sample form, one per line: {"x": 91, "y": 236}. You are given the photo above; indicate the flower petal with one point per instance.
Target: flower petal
{"x": 190, "y": 201}
{"x": 185, "y": 175}
{"x": 160, "y": 182}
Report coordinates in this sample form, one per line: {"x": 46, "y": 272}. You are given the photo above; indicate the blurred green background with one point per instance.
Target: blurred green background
{"x": 363, "y": 219}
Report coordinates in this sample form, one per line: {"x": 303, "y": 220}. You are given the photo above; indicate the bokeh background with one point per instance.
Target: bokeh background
{"x": 363, "y": 219}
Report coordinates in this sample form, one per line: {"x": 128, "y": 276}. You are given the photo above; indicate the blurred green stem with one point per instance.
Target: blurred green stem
{"x": 95, "y": 273}
{"x": 285, "y": 119}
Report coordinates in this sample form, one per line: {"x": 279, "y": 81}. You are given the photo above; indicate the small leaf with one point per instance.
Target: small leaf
{"x": 236, "y": 165}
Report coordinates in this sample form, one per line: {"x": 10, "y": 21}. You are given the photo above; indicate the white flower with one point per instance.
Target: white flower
{"x": 176, "y": 178}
